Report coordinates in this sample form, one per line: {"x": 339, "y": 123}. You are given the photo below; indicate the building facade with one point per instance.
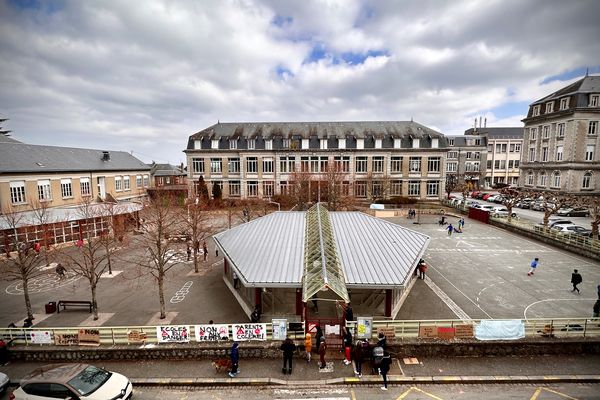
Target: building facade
{"x": 369, "y": 159}
{"x": 466, "y": 159}
{"x": 561, "y": 140}
{"x": 504, "y": 148}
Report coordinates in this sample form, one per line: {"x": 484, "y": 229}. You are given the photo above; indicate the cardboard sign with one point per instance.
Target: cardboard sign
{"x": 364, "y": 327}
{"x": 41, "y": 337}
{"x": 464, "y": 331}
{"x": 445, "y": 333}
{"x": 428, "y": 331}
{"x": 136, "y": 337}
{"x": 89, "y": 337}
{"x": 389, "y": 332}
{"x": 173, "y": 334}
{"x": 66, "y": 339}
{"x": 243, "y": 332}
{"x": 279, "y": 329}
{"x": 211, "y": 333}
{"x": 332, "y": 329}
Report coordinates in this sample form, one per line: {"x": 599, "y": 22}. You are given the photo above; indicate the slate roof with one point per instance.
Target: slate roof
{"x": 6, "y": 139}
{"x": 507, "y": 132}
{"x": 30, "y": 158}
{"x": 374, "y": 253}
{"x": 165, "y": 170}
{"x": 588, "y": 84}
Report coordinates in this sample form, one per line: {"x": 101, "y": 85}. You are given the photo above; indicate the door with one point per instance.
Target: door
{"x": 101, "y": 187}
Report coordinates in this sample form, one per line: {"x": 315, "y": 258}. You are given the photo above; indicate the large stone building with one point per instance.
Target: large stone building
{"x": 561, "y": 140}
{"x": 369, "y": 159}
{"x": 466, "y": 159}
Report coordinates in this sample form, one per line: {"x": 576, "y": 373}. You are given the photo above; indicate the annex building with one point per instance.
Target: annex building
{"x": 295, "y": 263}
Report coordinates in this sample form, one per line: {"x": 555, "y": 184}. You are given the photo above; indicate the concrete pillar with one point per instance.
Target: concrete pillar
{"x": 299, "y": 304}
{"x": 388, "y": 302}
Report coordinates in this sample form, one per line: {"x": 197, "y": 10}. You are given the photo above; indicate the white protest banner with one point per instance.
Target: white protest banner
{"x": 41, "y": 337}
{"x": 211, "y": 333}
{"x": 249, "y": 332}
{"x": 173, "y": 334}
{"x": 279, "y": 329}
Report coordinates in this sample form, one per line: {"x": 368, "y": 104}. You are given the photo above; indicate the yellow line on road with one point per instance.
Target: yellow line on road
{"x": 413, "y": 388}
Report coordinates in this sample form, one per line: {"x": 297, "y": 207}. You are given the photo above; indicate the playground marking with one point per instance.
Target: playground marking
{"x": 416, "y": 389}
{"x": 539, "y": 390}
{"x": 102, "y": 318}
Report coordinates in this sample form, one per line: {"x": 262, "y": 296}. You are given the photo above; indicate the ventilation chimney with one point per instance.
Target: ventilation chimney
{"x": 105, "y": 156}
{"x": 485, "y": 122}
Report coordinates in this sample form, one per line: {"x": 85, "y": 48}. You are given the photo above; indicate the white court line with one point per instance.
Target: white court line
{"x": 542, "y": 301}
{"x": 459, "y": 312}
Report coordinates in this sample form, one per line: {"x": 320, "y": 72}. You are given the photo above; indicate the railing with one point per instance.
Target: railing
{"x": 118, "y": 335}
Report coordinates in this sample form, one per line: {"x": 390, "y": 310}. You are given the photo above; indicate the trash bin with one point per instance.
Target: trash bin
{"x": 51, "y": 307}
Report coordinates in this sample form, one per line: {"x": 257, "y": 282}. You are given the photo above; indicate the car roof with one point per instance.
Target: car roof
{"x": 56, "y": 373}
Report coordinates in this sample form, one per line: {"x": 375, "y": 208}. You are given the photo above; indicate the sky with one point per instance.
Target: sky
{"x": 143, "y": 76}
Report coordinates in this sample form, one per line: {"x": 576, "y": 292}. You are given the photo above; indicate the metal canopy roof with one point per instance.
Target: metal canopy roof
{"x": 322, "y": 268}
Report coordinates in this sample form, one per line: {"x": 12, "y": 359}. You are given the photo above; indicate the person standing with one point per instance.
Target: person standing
{"x": 236, "y": 280}
{"x": 576, "y": 279}
{"x": 450, "y": 228}
{"x": 533, "y": 266}
{"x": 384, "y": 368}
{"x": 319, "y": 336}
{"x": 322, "y": 351}
{"x": 347, "y": 338}
{"x": 382, "y": 341}
{"x": 189, "y": 252}
{"x": 60, "y": 270}
{"x": 235, "y": 359}
{"x": 204, "y": 250}
{"x": 596, "y": 309}
{"x": 288, "y": 347}
{"x": 358, "y": 358}
{"x": 307, "y": 345}
{"x": 349, "y": 313}
{"x": 462, "y": 223}
{"x": 422, "y": 269}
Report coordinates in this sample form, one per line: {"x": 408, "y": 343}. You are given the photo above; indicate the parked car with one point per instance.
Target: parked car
{"x": 553, "y": 222}
{"x": 73, "y": 381}
{"x": 568, "y": 229}
{"x": 524, "y": 203}
{"x": 499, "y": 199}
{"x": 480, "y": 195}
{"x": 573, "y": 212}
{"x": 475, "y": 205}
{"x": 492, "y": 197}
{"x": 4, "y": 381}
{"x": 541, "y": 205}
{"x": 487, "y": 195}
{"x": 486, "y": 207}
{"x": 501, "y": 211}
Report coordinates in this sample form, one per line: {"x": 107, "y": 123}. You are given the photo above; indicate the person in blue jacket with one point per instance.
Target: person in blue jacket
{"x": 235, "y": 359}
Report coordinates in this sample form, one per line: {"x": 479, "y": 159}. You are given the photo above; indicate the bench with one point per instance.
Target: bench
{"x": 76, "y": 303}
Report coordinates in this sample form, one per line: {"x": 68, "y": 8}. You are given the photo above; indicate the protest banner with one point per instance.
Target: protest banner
{"x": 89, "y": 337}
{"x": 66, "y": 339}
{"x": 211, "y": 333}
{"x": 428, "y": 331}
{"x": 136, "y": 337}
{"x": 464, "y": 331}
{"x": 242, "y": 332}
{"x": 173, "y": 334}
{"x": 41, "y": 337}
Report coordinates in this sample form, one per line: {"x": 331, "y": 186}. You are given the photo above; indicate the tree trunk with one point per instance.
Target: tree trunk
{"x": 509, "y": 208}
{"x": 595, "y": 228}
{"x": 27, "y": 299}
{"x": 161, "y": 295}
{"x": 94, "y": 302}
{"x": 195, "y": 259}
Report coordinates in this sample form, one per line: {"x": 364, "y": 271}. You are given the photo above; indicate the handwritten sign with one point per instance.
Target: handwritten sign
{"x": 428, "y": 331}
{"x": 173, "y": 334}
{"x": 364, "y": 328}
{"x": 279, "y": 329}
{"x": 332, "y": 329}
{"x": 89, "y": 337}
{"x": 243, "y": 332}
{"x": 136, "y": 337}
{"x": 464, "y": 331}
{"x": 66, "y": 339}
{"x": 446, "y": 333}
{"x": 41, "y": 337}
{"x": 388, "y": 331}
{"x": 211, "y": 333}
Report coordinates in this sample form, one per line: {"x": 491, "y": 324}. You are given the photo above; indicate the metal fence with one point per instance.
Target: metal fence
{"x": 119, "y": 335}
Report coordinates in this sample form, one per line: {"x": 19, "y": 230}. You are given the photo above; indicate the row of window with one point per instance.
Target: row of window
{"x": 564, "y": 104}
{"x": 545, "y": 131}
{"x": 475, "y": 155}
{"x": 542, "y": 181}
{"x": 361, "y": 189}
{"x": 470, "y": 166}
{"x": 324, "y": 144}
{"x": 44, "y": 189}
{"x": 502, "y": 147}
{"x": 590, "y": 151}
{"x": 314, "y": 164}
{"x": 501, "y": 164}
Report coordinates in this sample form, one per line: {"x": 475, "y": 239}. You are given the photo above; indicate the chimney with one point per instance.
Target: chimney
{"x": 485, "y": 122}
{"x": 480, "y": 122}
{"x": 105, "y": 156}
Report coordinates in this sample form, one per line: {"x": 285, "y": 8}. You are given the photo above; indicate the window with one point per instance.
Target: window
{"x": 543, "y": 179}
{"x": 414, "y": 164}
{"x": 118, "y": 184}
{"x": 342, "y": 163}
{"x": 397, "y": 143}
{"x": 546, "y": 131}
{"x": 536, "y": 111}
{"x": 378, "y": 143}
{"x": 269, "y": 144}
{"x": 286, "y": 143}
{"x": 501, "y": 148}
{"x": 66, "y": 189}
{"x": 146, "y": 180}
{"x": 361, "y": 164}
{"x": 360, "y": 189}
{"x": 323, "y": 161}
{"x": 545, "y": 153}
{"x": 512, "y": 148}
{"x": 453, "y": 154}
{"x": 342, "y": 143}
{"x": 267, "y": 165}
{"x": 323, "y": 144}
{"x": 235, "y": 189}
{"x": 252, "y": 165}
{"x": 314, "y": 164}
{"x": 44, "y": 193}
{"x": 17, "y": 192}
{"x": 510, "y": 164}
{"x": 251, "y": 144}
{"x": 452, "y": 166}
{"x": 396, "y": 165}
{"x": 531, "y": 154}
{"x": 564, "y": 103}
{"x": 415, "y": 143}
{"x": 126, "y": 183}
{"x": 433, "y": 164}
{"x": 252, "y": 188}
{"x": 589, "y": 152}
{"x": 287, "y": 164}
{"x": 560, "y": 130}
{"x": 360, "y": 144}
{"x": 414, "y": 188}
{"x": 593, "y": 128}
{"x": 473, "y": 166}
{"x": 556, "y": 179}
{"x": 84, "y": 186}
{"x": 268, "y": 188}
{"x": 305, "y": 143}
{"x": 304, "y": 164}
{"x": 396, "y": 188}
{"x": 138, "y": 181}
{"x": 233, "y": 165}
{"x": 233, "y": 144}
{"x": 469, "y": 155}
{"x": 559, "y": 153}
{"x": 216, "y": 166}
{"x": 533, "y": 133}
{"x": 197, "y": 144}
{"x": 214, "y": 144}
{"x": 198, "y": 165}
{"x": 587, "y": 181}
{"x": 378, "y": 164}
{"x": 549, "y": 107}
{"x": 376, "y": 189}
{"x": 450, "y": 142}
{"x": 433, "y": 188}
{"x": 594, "y": 100}
{"x": 435, "y": 143}
{"x": 517, "y": 147}
{"x": 489, "y": 164}
{"x": 516, "y": 163}
{"x": 529, "y": 179}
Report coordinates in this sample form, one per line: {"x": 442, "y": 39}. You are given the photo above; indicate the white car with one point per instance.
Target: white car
{"x": 73, "y": 381}
{"x": 501, "y": 211}
{"x": 4, "y": 381}
{"x": 487, "y": 207}
{"x": 570, "y": 228}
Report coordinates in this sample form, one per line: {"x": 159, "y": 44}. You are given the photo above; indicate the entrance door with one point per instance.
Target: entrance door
{"x": 101, "y": 187}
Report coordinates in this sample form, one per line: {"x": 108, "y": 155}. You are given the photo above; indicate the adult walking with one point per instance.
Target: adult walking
{"x": 308, "y": 346}
{"x": 347, "y": 338}
{"x": 204, "y": 250}
{"x": 576, "y": 279}
{"x": 358, "y": 358}
{"x": 533, "y": 266}
{"x": 235, "y": 359}
{"x": 288, "y": 347}
{"x": 322, "y": 351}
{"x": 384, "y": 368}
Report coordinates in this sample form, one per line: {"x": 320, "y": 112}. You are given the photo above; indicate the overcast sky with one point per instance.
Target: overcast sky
{"x": 143, "y": 76}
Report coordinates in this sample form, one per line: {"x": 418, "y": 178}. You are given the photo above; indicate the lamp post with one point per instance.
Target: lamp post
{"x": 274, "y": 202}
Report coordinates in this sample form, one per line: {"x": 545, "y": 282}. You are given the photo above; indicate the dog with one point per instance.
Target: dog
{"x": 222, "y": 365}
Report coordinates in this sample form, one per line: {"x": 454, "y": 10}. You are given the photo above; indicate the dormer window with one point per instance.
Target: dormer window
{"x": 305, "y": 143}
{"x": 450, "y": 142}
{"x": 269, "y": 144}
{"x": 435, "y": 143}
{"x": 378, "y": 143}
{"x": 564, "y": 103}
{"x": 214, "y": 144}
{"x": 342, "y": 143}
{"x": 233, "y": 144}
{"x": 415, "y": 143}
{"x": 549, "y": 107}
{"x": 197, "y": 144}
{"x": 360, "y": 144}
{"x": 594, "y": 100}
{"x": 286, "y": 143}
{"x": 397, "y": 143}
{"x": 323, "y": 143}
{"x": 251, "y": 144}
{"x": 536, "y": 111}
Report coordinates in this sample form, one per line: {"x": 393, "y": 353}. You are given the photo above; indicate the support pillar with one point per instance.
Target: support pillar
{"x": 225, "y": 266}
{"x": 388, "y": 302}
{"x": 299, "y": 302}
{"x": 258, "y": 298}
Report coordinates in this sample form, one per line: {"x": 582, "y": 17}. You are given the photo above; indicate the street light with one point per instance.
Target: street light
{"x": 274, "y": 202}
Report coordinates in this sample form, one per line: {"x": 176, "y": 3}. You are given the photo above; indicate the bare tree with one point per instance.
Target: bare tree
{"x": 161, "y": 225}
{"x": 334, "y": 177}
{"x": 593, "y": 205}
{"x": 300, "y": 188}
{"x": 510, "y": 197}
{"x": 108, "y": 236}
{"x": 24, "y": 265}
{"x": 42, "y": 218}
{"x": 451, "y": 184}
{"x": 551, "y": 202}
{"x": 196, "y": 224}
